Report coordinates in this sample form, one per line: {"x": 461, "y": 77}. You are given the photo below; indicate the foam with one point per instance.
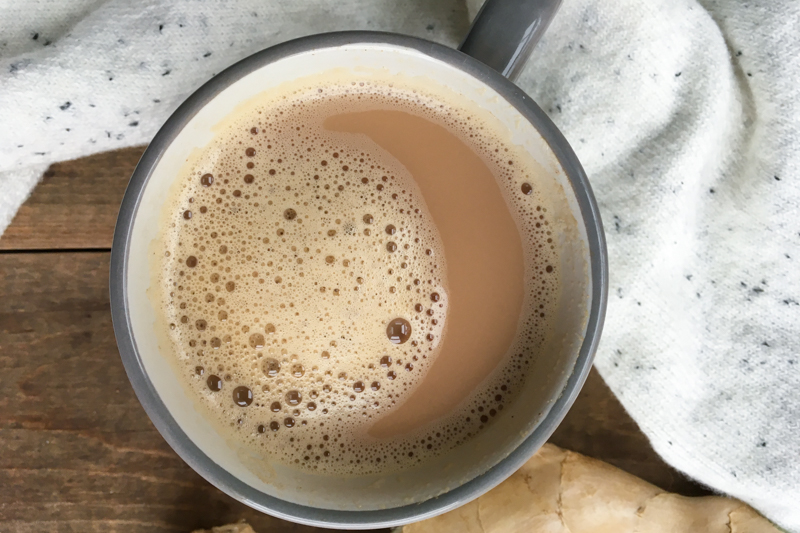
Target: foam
{"x": 288, "y": 249}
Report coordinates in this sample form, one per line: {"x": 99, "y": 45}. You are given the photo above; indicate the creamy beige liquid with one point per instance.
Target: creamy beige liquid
{"x": 355, "y": 277}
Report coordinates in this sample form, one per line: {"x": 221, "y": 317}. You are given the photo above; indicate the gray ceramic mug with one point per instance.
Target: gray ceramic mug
{"x": 494, "y": 51}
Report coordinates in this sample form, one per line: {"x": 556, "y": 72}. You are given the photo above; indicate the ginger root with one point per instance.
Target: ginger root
{"x": 558, "y": 491}
{"x": 240, "y": 527}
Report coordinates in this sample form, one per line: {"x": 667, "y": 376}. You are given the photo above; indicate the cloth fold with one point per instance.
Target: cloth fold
{"x": 685, "y": 114}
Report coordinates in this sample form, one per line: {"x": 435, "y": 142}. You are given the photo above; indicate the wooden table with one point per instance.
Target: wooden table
{"x": 77, "y": 451}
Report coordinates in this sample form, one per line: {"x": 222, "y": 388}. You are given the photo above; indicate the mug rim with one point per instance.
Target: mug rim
{"x": 351, "y": 519}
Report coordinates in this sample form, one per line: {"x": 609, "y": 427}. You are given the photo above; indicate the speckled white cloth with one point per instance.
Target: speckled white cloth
{"x": 685, "y": 114}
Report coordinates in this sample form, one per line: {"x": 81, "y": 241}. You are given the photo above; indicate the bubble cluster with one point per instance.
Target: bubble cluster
{"x": 305, "y": 284}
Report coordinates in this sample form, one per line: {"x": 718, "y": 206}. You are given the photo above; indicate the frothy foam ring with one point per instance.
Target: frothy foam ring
{"x": 305, "y": 285}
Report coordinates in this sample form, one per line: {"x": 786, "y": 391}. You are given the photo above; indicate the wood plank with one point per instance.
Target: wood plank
{"x": 78, "y": 453}
{"x": 75, "y": 205}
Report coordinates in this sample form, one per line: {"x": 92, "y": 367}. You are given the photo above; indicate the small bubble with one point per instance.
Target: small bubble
{"x": 330, "y": 259}
{"x": 191, "y": 261}
{"x": 391, "y": 247}
{"x": 201, "y": 325}
{"x": 199, "y": 370}
{"x": 290, "y": 214}
{"x": 274, "y": 426}
{"x": 271, "y": 367}
{"x": 249, "y": 178}
{"x": 250, "y": 152}
{"x": 398, "y": 330}
{"x": 293, "y": 397}
{"x": 375, "y": 385}
{"x": 358, "y": 386}
{"x": 257, "y": 340}
{"x": 298, "y": 370}
{"x": 386, "y": 361}
{"x": 368, "y": 219}
{"x": 391, "y": 230}
{"x": 311, "y": 406}
{"x": 230, "y": 286}
{"x": 434, "y": 296}
{"x": 207, "y": 180}
{"x": 214, "y": 383}
{"x": 269, "y": 329}
{"x": 418, "y": 308}
{"x": 242, "y": 396}
{"x": 526, "y": 188}
{"x": 391, "y": 375}
{"x": 288, "y": 422}
{"x": 187, "y": 214}
{"x": 275, "y": 407}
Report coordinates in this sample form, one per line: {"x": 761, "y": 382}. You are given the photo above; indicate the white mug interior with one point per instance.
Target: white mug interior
{"x": 547, "y": 374}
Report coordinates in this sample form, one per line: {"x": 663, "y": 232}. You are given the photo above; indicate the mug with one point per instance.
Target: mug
{"x": 492, "y": 54}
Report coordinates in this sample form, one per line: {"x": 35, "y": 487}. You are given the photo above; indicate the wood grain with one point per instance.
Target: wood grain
{"x": 77, "y": 451}
{"x": 75, "y": 205}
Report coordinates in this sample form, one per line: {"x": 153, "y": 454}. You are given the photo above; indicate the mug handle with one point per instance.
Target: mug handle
{"x": 505, "y": 31}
